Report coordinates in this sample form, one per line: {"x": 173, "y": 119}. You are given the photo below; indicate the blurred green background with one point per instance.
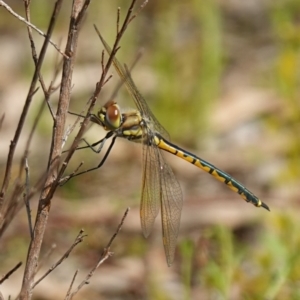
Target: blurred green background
{"x": 223, "y": 77}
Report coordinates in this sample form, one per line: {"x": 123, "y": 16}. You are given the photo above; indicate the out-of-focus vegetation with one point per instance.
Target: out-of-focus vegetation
{"x": 224, "y": 78}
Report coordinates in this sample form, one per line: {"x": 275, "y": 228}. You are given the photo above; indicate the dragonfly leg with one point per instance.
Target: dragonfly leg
{"x": 101, "y": 142}
{"x": 91, "y": 146}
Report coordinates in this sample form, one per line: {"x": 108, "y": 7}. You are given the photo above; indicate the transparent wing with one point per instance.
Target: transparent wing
{"x": 171, "y": 206}
{"x": 135, "y": 94}
{"x": 160, "y": 189}
{"x": 150, "y": 200}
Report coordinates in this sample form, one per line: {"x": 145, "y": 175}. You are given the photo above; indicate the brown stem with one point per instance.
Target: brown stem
{"x": 104, "y": 256}
{"x": 20, "y": 126}
{"x": 6, "y": 276}
{"x": 98, "y": 88}
{"x": 78, "y": 9}
{"x": 78, "y": 240}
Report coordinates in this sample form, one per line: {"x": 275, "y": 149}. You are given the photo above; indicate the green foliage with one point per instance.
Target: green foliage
{"x": 189, "y": 68}
{"x": 216, "y": 276}
{"x": 284, "y": 18}
{"x": 262, "y": 268}
{"x": 187, "y": 251}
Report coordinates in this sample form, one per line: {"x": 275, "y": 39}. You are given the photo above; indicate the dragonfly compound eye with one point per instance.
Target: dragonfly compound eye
{"x": 113, "y": 118}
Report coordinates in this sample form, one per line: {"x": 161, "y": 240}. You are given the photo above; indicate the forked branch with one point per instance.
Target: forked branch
{"x": 104, "y": 256}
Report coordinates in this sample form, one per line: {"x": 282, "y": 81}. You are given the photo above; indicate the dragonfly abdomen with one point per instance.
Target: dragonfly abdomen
{"x": 220, "y": 175}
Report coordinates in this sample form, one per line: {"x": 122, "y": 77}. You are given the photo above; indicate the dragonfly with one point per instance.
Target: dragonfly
{"x": 160, "y": 188}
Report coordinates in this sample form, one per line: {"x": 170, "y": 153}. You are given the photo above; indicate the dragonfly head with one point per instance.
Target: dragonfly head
{"x": 110, "y": 116}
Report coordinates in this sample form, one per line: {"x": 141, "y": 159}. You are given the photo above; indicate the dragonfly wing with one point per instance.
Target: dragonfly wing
{"x": 141, "y": 102}
{"x": 159, "y": 182}
{"x": 150, "y": 189}
{"x": 134, "y": 92}
{"x": 171, "y": 206}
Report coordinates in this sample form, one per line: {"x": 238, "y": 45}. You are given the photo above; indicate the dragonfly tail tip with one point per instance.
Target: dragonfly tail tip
{"x": 265, "y": 206}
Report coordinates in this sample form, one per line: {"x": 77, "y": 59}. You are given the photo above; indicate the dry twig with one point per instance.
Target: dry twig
{"x": 25, "y": 196}
{"x": 104, "y": 256}
{"x": 78, "y": 240}
{"x": 6, "y": 276}
{"x": 9, "y": 9}
{"x": 78, "y": 10}
{"x": 51, "y": 178}
{"x": 20, "y": 125}
{"x": 128, "y": 18}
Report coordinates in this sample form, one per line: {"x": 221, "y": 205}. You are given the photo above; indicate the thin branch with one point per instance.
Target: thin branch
{"x": 65, "y": 179}
{"x": 102, "y": 60}
{"x": 47, "y": 94}
{"x": 104, "y": 256}
{"x": 10, "y": 207}
{"x": 118, "y": 19}
{"x": 55, "y": 151}
{"x": 71, "y": 285}
{"x": 108, "y": 79}
{"x": 98, "y": 89}
{"x": 78, "y": 240}
{"x": 135, "y": 61}
{"x": 52, "y": 88}
{"x": 28, "y": 142}
{"x": 26, "y": 201}
{"x": 49, "y": 91}
{"x": 67, "y": 133}
{"x": 81, "y": 12}
{"x": 9, "y": 9}
{"x": 119, "y": 227}
{"x": 14, "y": 203}
{"x": 14, "y": 269}
{"x": 45, "y": 257}
{"x": 2, "y": 120}
{"x": 30, "y": 94}
{"x": 141, "y": 8}
{"x": 29, "y": 29}
{"x": 70, "y": 129}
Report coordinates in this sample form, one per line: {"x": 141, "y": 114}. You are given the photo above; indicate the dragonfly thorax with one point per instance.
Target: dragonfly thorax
{"x": 132, "y": 127}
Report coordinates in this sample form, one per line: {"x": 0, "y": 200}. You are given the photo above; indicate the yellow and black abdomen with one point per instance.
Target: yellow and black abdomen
{"x": 211, "y": 169}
